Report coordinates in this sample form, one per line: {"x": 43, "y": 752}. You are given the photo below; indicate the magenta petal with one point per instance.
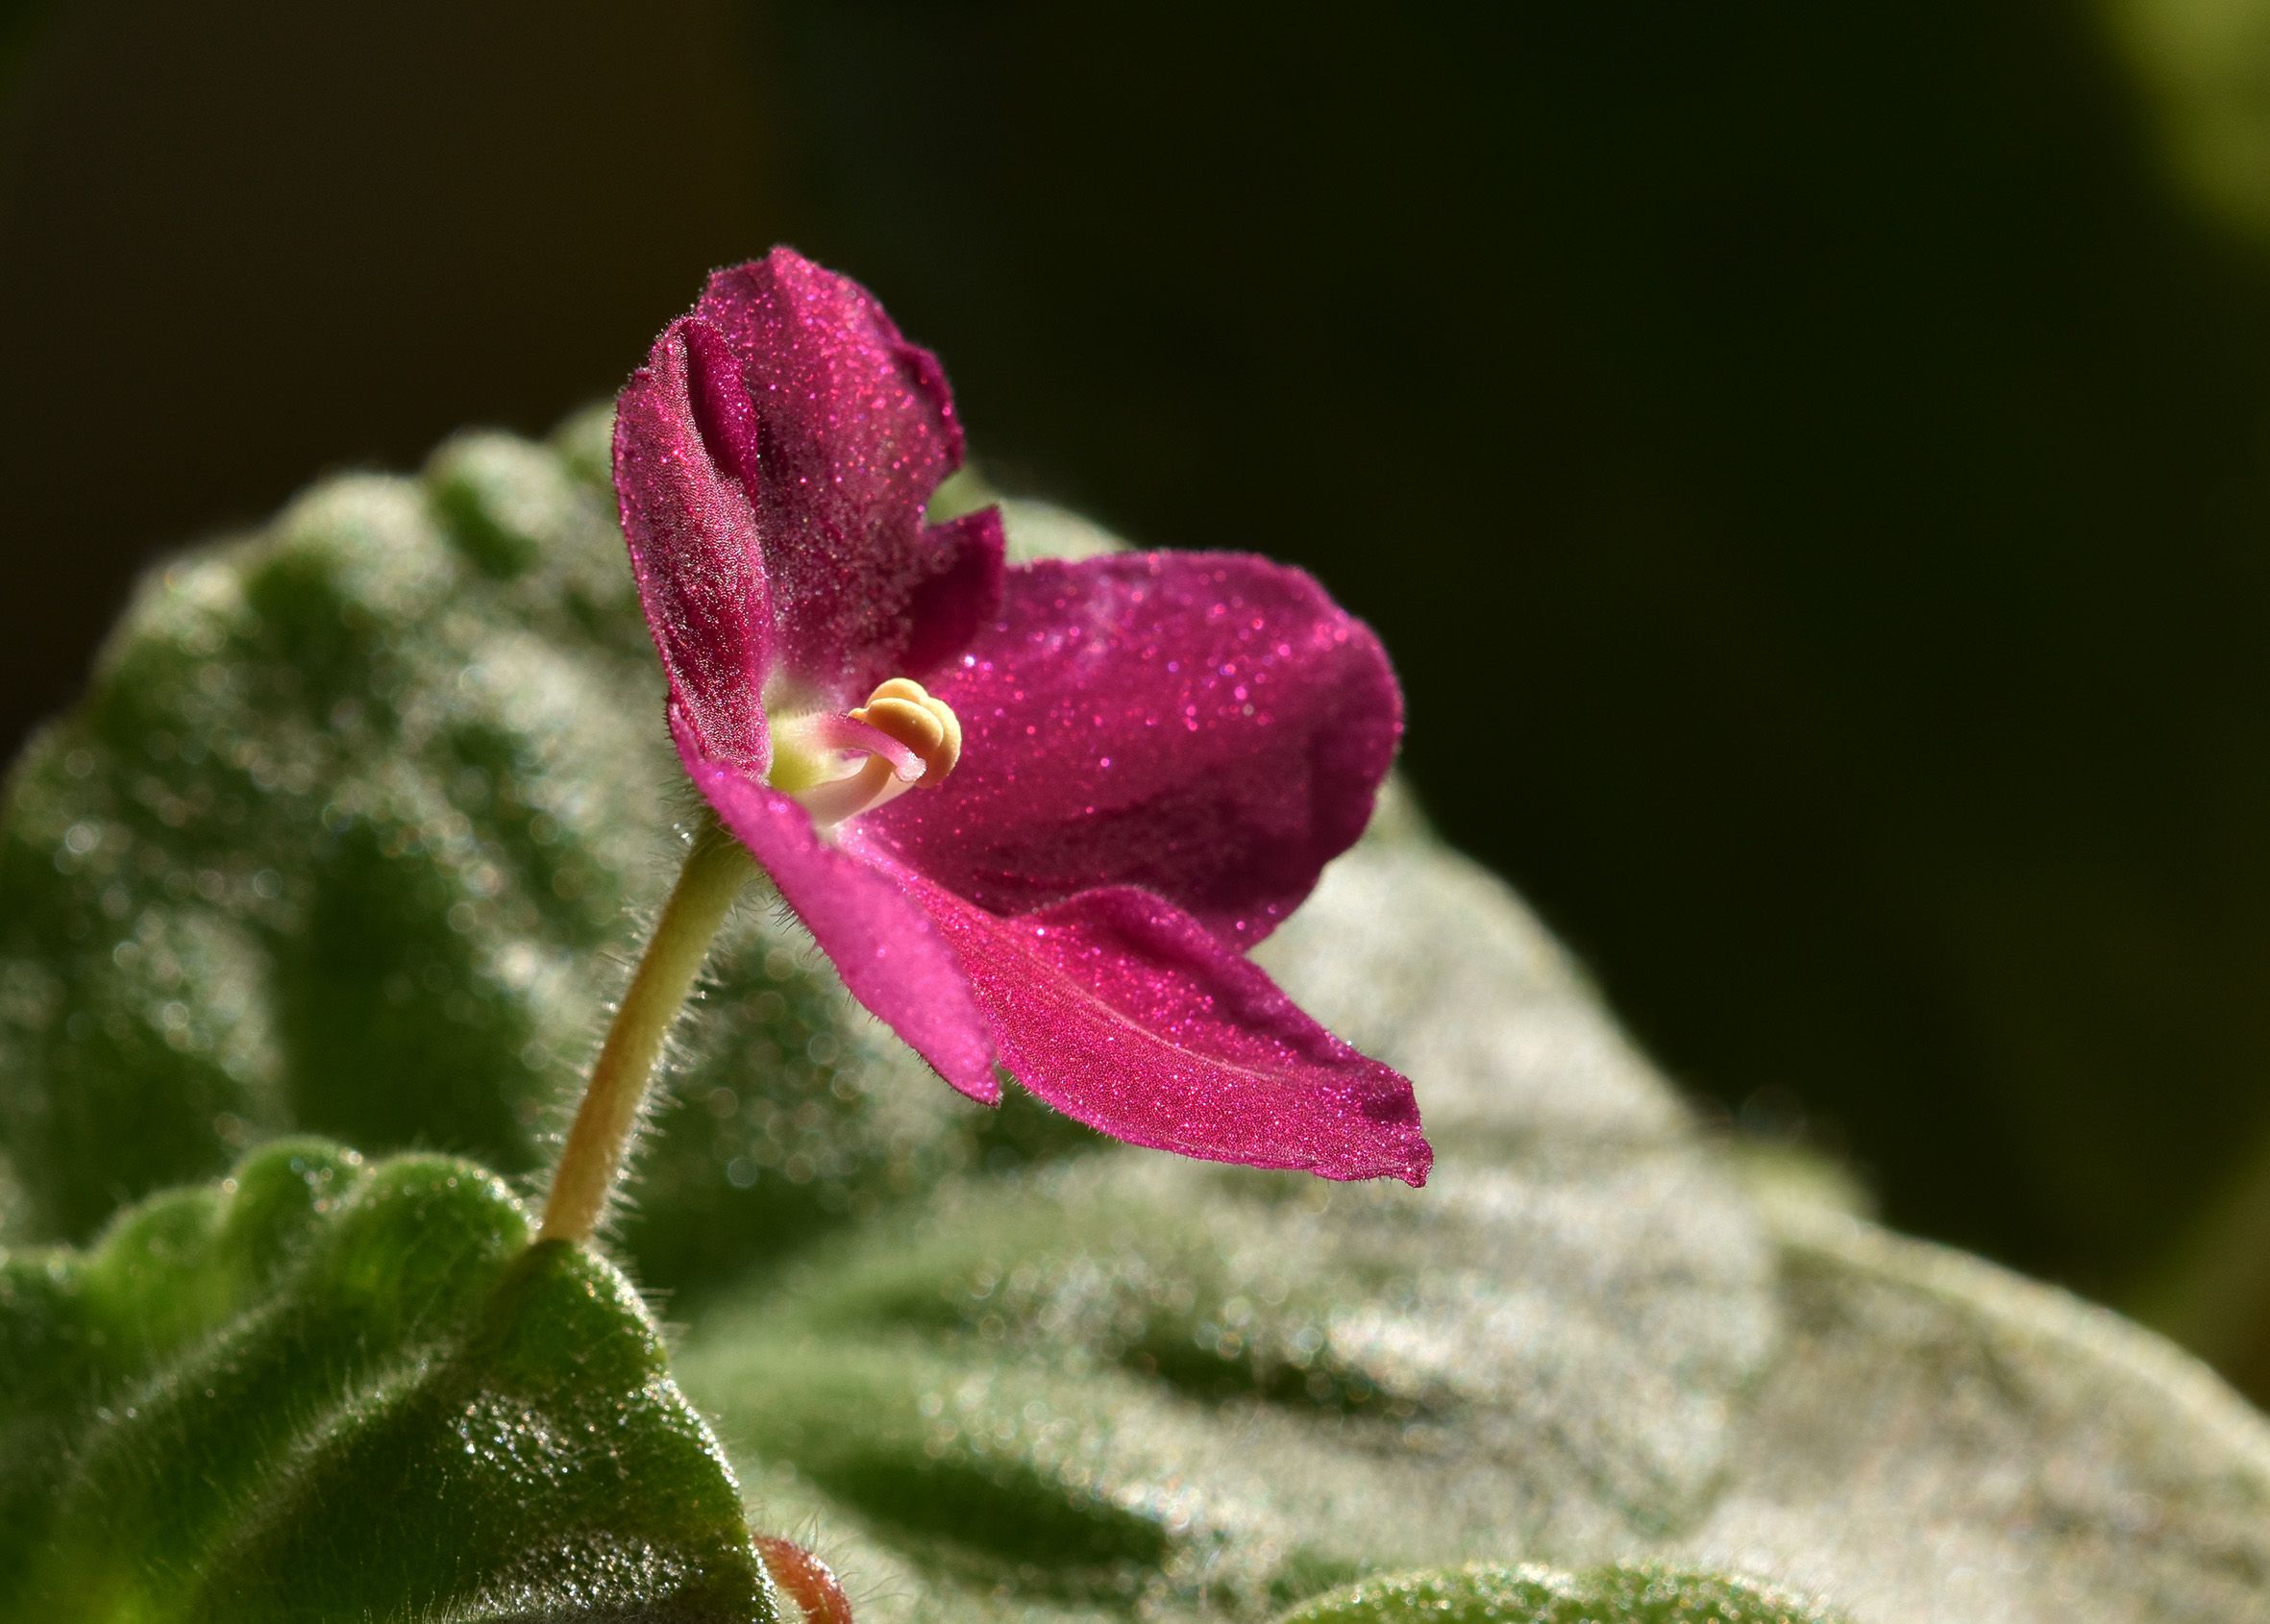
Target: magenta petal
{"x": 891, "y": 956}
{"x": 680, "y": 448}
{"x": 855, "y": 428}
{"x": 951, "y": 607}
{"x": 1124, "y": 1011}
{"x": 1208, "y": 727}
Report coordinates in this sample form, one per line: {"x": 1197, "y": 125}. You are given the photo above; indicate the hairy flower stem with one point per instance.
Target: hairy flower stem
{"x": 715, "y": 870}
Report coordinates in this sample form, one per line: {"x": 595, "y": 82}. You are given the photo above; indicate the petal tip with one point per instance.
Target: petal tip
{"x": 1422, "y": 1163}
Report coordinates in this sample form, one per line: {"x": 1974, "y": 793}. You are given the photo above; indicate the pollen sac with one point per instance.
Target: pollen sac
{"x": 905, "y": 710}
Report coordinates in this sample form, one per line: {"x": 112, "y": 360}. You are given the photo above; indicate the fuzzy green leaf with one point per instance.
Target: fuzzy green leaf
{"x": 360, "y": 810}
{"x": 1535, "y": 1595}
{"x": 329, "y": 1389}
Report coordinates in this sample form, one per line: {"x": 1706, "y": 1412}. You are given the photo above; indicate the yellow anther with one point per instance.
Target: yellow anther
{"x": 904, "y": 711}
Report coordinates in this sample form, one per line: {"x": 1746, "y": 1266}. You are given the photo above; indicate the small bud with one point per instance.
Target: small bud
{"x": 808, "y": 1583}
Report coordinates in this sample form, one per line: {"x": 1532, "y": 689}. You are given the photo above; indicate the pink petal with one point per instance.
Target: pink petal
{"x": 684, "y": 447}
{"x": 1208, "y": 727}
{"x": 955, "y": 605}
{"x": 854, "y": 429}
{"x": 891, "y": 957}
{"x": 1126, "y": 1013}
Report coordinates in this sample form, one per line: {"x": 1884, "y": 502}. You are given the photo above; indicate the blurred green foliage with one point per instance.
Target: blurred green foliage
{"x": 1481, "y": 1595}
{"x": 2207, "y": 64}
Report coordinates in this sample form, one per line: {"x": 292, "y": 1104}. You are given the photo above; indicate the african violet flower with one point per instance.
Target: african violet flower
{"x": 1036, "y": 815}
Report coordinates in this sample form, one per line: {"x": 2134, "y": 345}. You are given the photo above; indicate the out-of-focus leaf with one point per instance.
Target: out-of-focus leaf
{"x": 2206, "y": 65}
{"x": 1536, "y": 1596}
{"x": 1576, "y": 1345}
{"x": 326, "y": 1390}
{"x": 357, "y": 805}
{"x": 1943, "y": 1440}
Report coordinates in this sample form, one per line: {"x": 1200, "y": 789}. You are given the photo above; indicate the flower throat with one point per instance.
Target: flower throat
{"x": 815, "y": 758}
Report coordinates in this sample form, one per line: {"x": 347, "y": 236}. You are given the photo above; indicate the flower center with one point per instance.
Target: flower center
{"x": 838, "y": 765}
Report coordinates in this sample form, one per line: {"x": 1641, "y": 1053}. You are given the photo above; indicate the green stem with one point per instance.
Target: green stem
{"x": 715, "y": 870}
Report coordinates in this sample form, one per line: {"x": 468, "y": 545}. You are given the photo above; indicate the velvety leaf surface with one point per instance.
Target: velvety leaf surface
{"x": 1937, "y": 1419}
{"x": 1536, "y": 1596}
{"x": 326, "y": 1390}
{"x": 359, "y": 808}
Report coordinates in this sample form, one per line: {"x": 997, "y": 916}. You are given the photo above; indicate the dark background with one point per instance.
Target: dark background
{"x": 1812, "y": 463}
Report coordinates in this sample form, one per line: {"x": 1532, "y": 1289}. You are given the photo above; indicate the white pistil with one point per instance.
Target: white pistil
{"x": 862, "y": 790}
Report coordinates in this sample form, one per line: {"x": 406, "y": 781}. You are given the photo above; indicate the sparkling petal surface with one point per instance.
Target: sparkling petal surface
{"x": 679, "y": 471}
{"x": 1208, "y": 727}
{"x": 892, "y": 958}
{"x": 951, "y": 608}
{"x": 1124, "y": 1011}
{"x": 854, "y": 429}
